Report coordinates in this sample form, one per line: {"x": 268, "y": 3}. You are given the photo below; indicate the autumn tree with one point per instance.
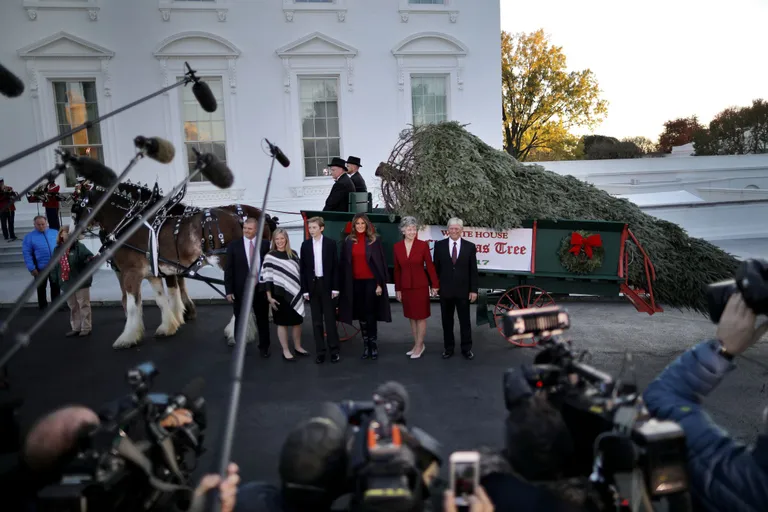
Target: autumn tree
{"x": 678, "y": 132}
{"x": 541, "y": 100}
{"x": 645, "y": 144}
{"x": 735, "y": 131}
{"x": 600, "y": 147}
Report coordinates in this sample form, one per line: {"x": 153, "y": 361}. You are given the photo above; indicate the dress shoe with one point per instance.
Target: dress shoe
{"x": 265, "y": 353}
{"x": 85, "y": 333}
{"x": 468, "y": 354}
{"x": 320, "y": 359}
{"x": 72, "y": 333}
{"x": 301, "y": 353}
{"x": 447, "y": 354}
{"x": 289, "y": 359}
{"x": 417, "y": 355}
{"x": 335, "y": 358}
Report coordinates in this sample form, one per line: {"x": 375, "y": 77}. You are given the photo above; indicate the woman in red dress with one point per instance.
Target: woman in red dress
{"x": 415, "y": 281}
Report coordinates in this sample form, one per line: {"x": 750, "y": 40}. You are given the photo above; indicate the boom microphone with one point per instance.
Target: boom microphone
{"x": 204, "y": 96}
{"x": 92, "y": 170}
{"x": 278, "y": 154}
{"x": 156, "y": 148}
{"x": 215, "y": 170}
{"x": 10, "y": 85}
{"x": 395, "y": 399}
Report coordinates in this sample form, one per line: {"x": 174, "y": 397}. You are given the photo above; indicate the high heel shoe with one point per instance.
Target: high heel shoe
{"x": 409, "y": 353}
{"x": 415, "y": 355}
{"x": 289, "y": 359}
{"x": 300, "y": 353}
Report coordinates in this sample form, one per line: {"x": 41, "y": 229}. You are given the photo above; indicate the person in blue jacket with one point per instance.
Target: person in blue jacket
{"x": 38, "y": 247}
{"x": 724, "y": 474}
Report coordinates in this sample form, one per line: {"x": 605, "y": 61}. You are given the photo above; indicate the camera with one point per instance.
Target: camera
{"x": 387, "y": 459}
{"x": 139, "y": 457}
{"x": 612, "y": 431}
{"x": 749, "y": 280}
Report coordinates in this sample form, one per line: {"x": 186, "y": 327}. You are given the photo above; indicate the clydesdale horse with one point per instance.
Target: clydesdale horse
{"x": 187, "y": 238}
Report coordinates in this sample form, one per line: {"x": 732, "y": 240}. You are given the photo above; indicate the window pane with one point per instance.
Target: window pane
{"x": 76, "y": 103}
{"x": 429, "y": 98}
{"x": 203, "y": 130}
{"x": 319, "y": 122}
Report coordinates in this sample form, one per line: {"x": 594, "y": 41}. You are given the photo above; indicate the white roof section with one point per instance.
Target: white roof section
{"x": 662, "y": 198}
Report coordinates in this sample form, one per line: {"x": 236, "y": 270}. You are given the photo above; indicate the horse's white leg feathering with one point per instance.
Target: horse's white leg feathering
{"x": 134, "y": 324}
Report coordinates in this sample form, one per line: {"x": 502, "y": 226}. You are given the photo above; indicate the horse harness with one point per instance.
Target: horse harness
{"x": 137, "y": 206}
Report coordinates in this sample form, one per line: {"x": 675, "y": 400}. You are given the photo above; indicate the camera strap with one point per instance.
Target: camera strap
{"x": 130, "y": 452}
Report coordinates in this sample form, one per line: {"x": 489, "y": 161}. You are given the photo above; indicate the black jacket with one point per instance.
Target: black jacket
{"x": 330, "y": 264}
{"x": 359, "y": 182}
{"x": 236, "y": 269}
{"x": 456, "y": 281}
{"x": 338, "y": 199}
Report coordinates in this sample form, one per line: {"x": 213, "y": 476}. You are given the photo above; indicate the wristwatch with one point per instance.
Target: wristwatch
{"x": 723, "y": 352}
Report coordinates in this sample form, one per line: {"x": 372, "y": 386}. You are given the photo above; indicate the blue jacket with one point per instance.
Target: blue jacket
{"x": 724, "y": 474}
{"x": 41, "y": 245}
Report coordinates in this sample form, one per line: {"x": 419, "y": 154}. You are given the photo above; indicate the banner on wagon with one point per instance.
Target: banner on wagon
{"x": 509, "y": 249}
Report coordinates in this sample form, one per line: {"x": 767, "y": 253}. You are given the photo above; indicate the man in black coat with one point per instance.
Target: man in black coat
{"x": 353, "y": 169}
{"x": 319, "y": 257}
{"x": 456, "y": 266}
{"x": 338, "y": 199}
{"x": 241, "y": 253}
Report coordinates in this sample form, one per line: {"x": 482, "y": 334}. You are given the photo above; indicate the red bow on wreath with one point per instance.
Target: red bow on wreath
{"x": 578, "y": 243}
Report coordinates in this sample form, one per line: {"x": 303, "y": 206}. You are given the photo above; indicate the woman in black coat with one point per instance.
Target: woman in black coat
{"x": 363, "y": 280}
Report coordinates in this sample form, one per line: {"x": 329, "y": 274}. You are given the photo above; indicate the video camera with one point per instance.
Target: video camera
{"x": 141, "y": 455}
{"x": 612, "y": 431}
{"x": 750, "y": 279}
{"x": 387, "y": 459}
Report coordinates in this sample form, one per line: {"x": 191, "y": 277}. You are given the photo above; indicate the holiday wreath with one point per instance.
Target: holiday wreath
{"x": 582, "y": 252}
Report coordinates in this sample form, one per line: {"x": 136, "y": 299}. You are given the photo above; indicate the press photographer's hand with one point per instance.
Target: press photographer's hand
{"x": 736, "y": 330}
{"x": 479, "y": 502}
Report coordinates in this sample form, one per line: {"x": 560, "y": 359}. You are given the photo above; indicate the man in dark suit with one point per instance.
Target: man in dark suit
{"x": 353, "y": 169}
{"x": 338, "y": 199}
{"x": 456, "y": 266}
{"x": 319, "y": 258}
{"x": 241, "y": 254}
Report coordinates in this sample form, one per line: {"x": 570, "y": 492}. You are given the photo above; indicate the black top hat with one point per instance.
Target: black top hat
{"x": 354, "y": 161}
{"x": 338, "y": 162}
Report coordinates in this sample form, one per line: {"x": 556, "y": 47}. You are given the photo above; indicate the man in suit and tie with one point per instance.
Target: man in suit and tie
{"x": 241, "y": 254}
{"x": 353, "y": 169}
{"x": 456, "y": 266}
{"x": 319, "y": 259}
{"x": 338, "y": 199}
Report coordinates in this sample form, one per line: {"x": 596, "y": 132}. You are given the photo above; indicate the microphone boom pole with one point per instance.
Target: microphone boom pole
{"x": 239, "y": 357}
{"x": 24, "y": 338}
{"x": 54, "y": 261}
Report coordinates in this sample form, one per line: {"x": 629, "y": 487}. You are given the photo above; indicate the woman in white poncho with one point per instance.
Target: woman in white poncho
{"x": 280, "y": 279}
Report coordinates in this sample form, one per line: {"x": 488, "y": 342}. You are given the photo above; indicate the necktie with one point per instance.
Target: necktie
{"x": 454, "y": 256}
{"x": 253, "y": 253}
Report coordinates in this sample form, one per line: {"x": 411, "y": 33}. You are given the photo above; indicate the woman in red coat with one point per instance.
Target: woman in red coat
{"x": 415, "y": 281}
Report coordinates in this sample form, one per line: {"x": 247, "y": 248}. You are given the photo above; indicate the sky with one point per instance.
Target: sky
{"x": 656, "y": 60}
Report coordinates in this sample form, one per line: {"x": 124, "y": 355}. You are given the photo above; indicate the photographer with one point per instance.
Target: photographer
{"x": 724, "y": 474}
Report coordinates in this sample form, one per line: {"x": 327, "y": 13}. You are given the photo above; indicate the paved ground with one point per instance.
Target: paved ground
{"x": 460, "y": 402}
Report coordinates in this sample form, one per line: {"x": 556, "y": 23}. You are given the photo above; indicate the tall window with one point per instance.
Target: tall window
{"x": 319, "y": 123}
{"x": 429, "y": 98}
{"x": 433, "y": 2}
{"x": 203, "y": 130}
{"x": 76, "y": 104}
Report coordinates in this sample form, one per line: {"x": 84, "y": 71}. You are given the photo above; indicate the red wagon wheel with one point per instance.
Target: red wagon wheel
{"x": 346, "y": 331}
{"x": 520, "y": 297}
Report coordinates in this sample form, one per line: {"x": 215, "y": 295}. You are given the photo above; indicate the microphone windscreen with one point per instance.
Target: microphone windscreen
{"x": 204, "y": 96}
{"x": 217, "y": 172}
{"x": 10, "y": 85}
{"x": 93, "y": 170}
{"x": 156, "y": 148}
{"x": 395, "y": 393}
{"x": 194, "y": 389}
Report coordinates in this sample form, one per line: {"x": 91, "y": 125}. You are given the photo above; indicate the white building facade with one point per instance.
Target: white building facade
{"x": 319, "y": 78}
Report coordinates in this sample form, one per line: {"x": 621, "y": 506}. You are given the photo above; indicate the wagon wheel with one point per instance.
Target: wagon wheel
{"x": 520, "y": 297}
{"x": 346, "y": 331}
